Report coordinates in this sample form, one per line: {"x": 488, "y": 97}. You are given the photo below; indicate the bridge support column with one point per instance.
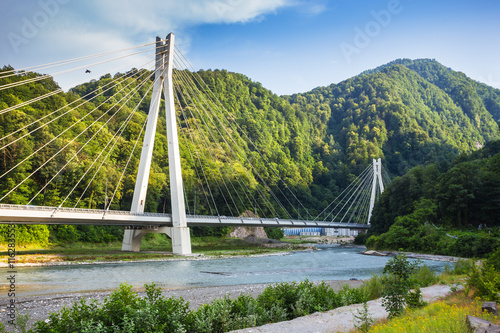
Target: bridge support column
{"x": 179, "y": 232}
{"x": 181, "y": 240}
{"x": 132, "y": 237}
{"x": 377, "y": 178}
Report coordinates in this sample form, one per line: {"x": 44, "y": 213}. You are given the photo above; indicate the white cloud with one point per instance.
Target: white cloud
{"x": 169, "y": 15}
{"x": 75, "y": 28}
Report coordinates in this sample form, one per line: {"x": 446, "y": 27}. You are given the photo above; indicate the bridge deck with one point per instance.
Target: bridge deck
{"x": 18, "y": 214}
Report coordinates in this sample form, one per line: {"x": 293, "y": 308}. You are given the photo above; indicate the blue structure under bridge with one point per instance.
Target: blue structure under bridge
{"x": 321, "y": 232}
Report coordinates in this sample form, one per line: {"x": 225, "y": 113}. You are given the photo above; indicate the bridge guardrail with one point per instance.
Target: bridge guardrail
{"x": 198, "y": 218}
{"x": 80, "y": 210}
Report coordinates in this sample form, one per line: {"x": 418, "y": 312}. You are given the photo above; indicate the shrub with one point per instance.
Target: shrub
{"x": 397, "y": 284}
{"x": 463, "y": 266}
{"x": 246, "y": 312}
{"x": 291, "y": 297}
{"x": 486, "y": 281}
{"x": 274, "y": 233}
{"x": 373, "y": 288}
{"x": 213, "y": 317}
{"x": 348, "y": 295}
{"x": 125, "y": 311}
{"x": 425, "y": 277}
{"x": 122, "y": 311}
{"x": 414, "y": 299}
{"x": 360, "y": 239}
{"x": 362, "y": 319}
{"x": 372, "y": 243}
{"x": 494, "y": 259}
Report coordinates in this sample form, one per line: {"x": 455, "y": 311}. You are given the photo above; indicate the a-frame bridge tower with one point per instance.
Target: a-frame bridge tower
{"x": 179, "y": 232}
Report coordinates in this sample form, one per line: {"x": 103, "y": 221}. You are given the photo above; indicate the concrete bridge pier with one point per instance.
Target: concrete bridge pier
{"x": 181, "y": 240}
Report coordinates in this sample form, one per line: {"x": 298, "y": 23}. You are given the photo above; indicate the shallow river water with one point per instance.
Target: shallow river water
{"x": 328, "y": 263}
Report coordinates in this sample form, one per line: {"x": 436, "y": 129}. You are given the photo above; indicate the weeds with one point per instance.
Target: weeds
{"x": 362, "y": 319}
{"x": 442, "y": 316}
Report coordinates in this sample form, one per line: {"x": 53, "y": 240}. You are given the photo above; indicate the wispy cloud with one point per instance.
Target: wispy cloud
{"x": 151, "y": 15}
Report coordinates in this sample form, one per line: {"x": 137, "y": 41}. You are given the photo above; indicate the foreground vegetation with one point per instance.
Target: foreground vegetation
{"x": 445, "y": 316}
{"x": 125, "y": 311}
{"x": 482, "y": 283}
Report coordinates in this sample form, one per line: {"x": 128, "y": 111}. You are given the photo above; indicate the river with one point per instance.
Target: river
{"x": 327, "y": 263}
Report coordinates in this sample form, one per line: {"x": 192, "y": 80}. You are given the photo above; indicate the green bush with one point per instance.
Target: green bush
{"x": 486, "y": 281}
{"x": 398, "y": 281}
{"x": 425, "y": 277}
{"x": 360, "y": 239}
{"x": 348, "y": 296}
{"x": 274, "y": 233}
{"x": 122, "y": 311}
{"x": 125, "y": 311}
{"x": 372, "y": 243}
{"x": 463, "y": 266}
{"x": 246, "y": 312}
{"x": 373, "y": 288}
{"x": 494, "y": 259}
{"x": 213, "y": 317}
{"x": 414, "y": 299}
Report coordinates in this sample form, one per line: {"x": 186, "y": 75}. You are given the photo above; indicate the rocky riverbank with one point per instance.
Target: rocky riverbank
{"x": 413, "y": 255}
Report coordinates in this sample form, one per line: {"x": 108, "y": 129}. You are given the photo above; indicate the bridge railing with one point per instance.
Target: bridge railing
{"x": 78, "y": 210}
{"x": 192, "y": 219}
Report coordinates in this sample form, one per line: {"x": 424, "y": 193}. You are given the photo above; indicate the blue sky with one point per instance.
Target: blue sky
{"x": 288, "y": 45}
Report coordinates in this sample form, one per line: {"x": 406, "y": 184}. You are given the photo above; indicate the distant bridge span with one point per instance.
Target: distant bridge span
{"x": 22, "y": 214}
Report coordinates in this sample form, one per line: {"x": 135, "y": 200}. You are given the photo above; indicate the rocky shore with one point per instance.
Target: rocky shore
{"x": 412, "y": 255}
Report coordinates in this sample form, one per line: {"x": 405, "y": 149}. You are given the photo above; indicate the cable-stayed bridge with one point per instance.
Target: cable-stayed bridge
{"x": 230, "y": 171}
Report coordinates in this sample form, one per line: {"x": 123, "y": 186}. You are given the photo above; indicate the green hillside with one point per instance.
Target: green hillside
{"x": 407, "y": 112}
{"x": 417, "y": 211}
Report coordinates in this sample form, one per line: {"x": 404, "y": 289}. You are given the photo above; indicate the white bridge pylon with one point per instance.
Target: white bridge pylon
{"x": 179, "y": 232}
{"x": 377, "y": 178}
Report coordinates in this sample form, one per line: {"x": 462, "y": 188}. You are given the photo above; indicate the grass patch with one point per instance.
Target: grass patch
{"x": 447, "y": 315}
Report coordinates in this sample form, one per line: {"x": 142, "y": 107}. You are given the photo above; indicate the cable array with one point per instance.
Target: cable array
{"x": 101, "y": 113}
{"x": 70, "y": 148}
{"x": 352, "y": 204}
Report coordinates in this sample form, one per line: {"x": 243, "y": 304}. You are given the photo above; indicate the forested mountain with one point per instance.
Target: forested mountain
{"x": 407, "y": 113}
{"x": 415, "y": 210}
